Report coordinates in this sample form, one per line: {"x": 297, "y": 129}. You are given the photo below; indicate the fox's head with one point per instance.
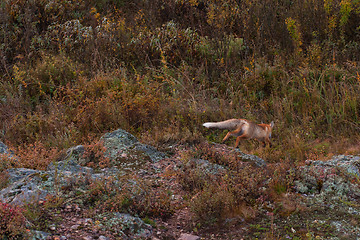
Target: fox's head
{"x": 271, "y": 127}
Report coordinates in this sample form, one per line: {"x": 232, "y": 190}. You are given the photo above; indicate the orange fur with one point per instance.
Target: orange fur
{"x": 244, "y": 129}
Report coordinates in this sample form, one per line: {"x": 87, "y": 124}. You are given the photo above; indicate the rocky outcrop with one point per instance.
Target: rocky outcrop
{"x": 6, "y": 153}
{"x": 125, "y": 226}
{"x": 329, "y": 190}
{"x": 250, "y": 158}
{"x": 122, "y": 148}
{"x": 3, "y": 148}
{"x": 204, "y": 167}
{"x": 26, "y": 185}
{"x": 335, "y": 178}
{"x": 120, "y": 144}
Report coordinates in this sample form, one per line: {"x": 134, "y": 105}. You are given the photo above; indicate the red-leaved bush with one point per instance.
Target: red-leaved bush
{"x": 12, "y": 222}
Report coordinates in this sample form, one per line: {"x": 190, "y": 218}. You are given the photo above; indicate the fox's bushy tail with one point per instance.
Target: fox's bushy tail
{"x": 230, "y": 124}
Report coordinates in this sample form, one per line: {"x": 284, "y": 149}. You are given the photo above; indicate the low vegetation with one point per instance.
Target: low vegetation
{"x": 71, "y": 71}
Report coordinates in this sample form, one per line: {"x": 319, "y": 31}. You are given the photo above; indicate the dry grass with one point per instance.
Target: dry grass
{"x": 161, "y": 70}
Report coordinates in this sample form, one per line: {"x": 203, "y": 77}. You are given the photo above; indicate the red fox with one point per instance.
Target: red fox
{"x": 244, "y": 129}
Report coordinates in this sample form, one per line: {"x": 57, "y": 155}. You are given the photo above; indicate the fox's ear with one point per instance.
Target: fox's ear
{"x": 272, "y": 124}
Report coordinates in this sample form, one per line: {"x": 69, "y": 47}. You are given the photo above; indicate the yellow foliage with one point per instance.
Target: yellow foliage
{"x": 294, "y": 31}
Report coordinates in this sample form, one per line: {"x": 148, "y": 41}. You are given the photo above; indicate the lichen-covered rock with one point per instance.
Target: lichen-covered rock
{"x": 331, "y": 189}
{"x": 205, "y": 167}
{"x": 251, "y": 158}
{"x": 25, "y": 187}
{"x": 39, "y": 235}
{"x": 120, "y": 144}
{"x": 338, "y": 177}
{"x": 119, "y": 139}
{"x": 125, "y": 226}
{"x": 3, "y": 148}
{"x": 28, "y": 185}
{"x": 72, "y": 161}
{"x": 127, "y": 153}
{"x": 7, "y": 154}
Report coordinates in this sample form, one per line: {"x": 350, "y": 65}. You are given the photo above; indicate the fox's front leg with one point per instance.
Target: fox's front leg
{"x": 238, "y": 140}
{"x": 268, "y": 141}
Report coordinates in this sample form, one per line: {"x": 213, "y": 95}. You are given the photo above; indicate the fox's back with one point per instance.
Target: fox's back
{"x": 258, "y": 131}
{"x": 244, "y": 129}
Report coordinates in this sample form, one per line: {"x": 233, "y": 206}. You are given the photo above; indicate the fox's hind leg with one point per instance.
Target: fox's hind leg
{"x": 234, "y": 133}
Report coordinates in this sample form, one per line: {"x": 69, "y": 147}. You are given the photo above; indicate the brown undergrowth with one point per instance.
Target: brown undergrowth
{"x": 71, "y": 72}
{"x": 236, "y": 189}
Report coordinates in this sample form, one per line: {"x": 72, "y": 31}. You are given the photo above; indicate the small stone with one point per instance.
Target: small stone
{"x": 52, "y": 227}
{"x": 75, "y": 227}
{"x": 186, "y": 236}
{"x": 88, "y": 221}
{"x": 103, "y": 238}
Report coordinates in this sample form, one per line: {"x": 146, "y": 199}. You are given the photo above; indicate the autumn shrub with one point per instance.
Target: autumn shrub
{"x": 102, "y": 34}
{"x": 41, "y": 82}
{"x": 24, "y": 25}
{"x": 101, "y": 191}
{"x": 8, "y": 161}
{"x": 193, "y": 179}
{"x": 135, "y": 196}
{"x": 12, "y": 222}
{"x": 83, "y": 69}
{"x": 208, "y": 152}
{"x": 35, "y": 155}
{"x": 233, "y": 188}
{"x": 169, "y": 44}
{"x": 94, "y": 156}
{"x": 283, "y": 175}
{"x": 154, "y": 201}
{"x": 43, "y": 213}
{"x": 212, "y": 203}
{"x": 235, "y": 194}
{"x": 4, "y": 178}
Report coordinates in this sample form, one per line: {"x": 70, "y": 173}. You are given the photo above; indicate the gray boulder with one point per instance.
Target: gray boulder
{"x": 250, "y": 158}
{"x": 127, "y": 152}
{"x": 72, "y": 162}
{"x": 336, "y": 178}
{"x": 3, "y": 148}
{"x": 6, "y": 153}
{"x": 204, "y": 167}
{"x": 39, "y": 235}
{"x": 126, "y": 226}
{"x": 123, "y": 149}
{"x": 25, "y": 187}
